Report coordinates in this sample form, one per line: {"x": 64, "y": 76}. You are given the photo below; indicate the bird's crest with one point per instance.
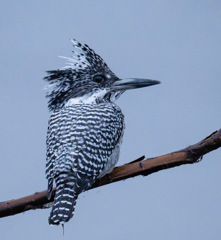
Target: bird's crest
{"x": 83, "y": 57}
{"x": 72, "y": 80}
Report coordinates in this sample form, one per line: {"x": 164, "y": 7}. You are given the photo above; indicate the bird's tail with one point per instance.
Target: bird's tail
{"x": 64, "y": 201}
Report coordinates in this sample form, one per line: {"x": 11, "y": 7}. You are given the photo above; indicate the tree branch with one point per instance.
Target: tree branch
{"x": 141, "y": 166}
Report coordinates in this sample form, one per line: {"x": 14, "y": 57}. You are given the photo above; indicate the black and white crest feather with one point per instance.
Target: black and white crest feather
{"x": 75, "y": 79}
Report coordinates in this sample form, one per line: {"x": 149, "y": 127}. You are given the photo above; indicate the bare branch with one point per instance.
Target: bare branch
{"x": 140, "y": 166}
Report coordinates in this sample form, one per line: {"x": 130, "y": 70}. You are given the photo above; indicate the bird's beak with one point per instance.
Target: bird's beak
{"x": 132, "y": 83}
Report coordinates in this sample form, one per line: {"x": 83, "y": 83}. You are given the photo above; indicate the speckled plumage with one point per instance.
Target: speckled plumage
{"x": 85, "y": 128}
{"x": 83, "y": 132}
{"x": 81, "y": 139}
{"x": 76, "y": 79}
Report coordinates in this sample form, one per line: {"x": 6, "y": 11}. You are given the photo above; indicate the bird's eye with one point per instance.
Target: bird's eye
{"x": 99, "y": 78}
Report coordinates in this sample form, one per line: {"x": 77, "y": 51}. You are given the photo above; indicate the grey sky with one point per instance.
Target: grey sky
{"x": 176, "y": 42}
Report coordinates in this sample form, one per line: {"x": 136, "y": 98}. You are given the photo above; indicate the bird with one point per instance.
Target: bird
{"x": 85, "y": 127}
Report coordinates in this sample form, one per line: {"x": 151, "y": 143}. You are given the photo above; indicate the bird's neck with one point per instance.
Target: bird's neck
{"x": 91, "y": 98}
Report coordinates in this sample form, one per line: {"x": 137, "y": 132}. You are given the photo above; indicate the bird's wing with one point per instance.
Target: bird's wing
{"x": 80, "y": 141}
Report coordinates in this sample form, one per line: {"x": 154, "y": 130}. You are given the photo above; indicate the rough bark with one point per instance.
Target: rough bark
{"x": 141, "y": 166}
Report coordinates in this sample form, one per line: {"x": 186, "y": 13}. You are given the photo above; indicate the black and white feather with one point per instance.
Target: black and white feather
{"x": 78, "y": 78}
{"x": 86, "y": 127}
{"x": 82, "y": 145}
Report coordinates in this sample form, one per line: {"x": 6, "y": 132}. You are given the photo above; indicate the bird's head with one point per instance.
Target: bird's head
{"x": 87, "y": 79}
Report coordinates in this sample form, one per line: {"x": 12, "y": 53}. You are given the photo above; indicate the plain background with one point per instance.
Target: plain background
{"x": 176, "y": 42}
